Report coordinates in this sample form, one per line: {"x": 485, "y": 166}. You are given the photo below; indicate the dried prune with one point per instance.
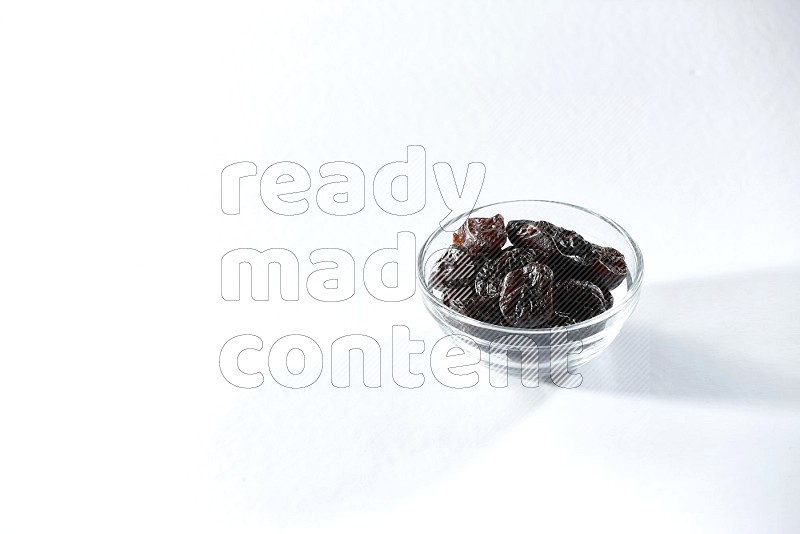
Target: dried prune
{"x": 526, "y": 298}
{"x": 572, "y": 254}
{"x": 535, "y": 235}
{"x": 465, "y": 301}
{"x": 566, "y": 251}
{"x": 550, "y": 277}
{"x": 578, "y": 299}
{"x": 489, "y": 279}
{"x": 607, "y": 268}
{"x": 481, "y": 234}
{"x": 454, "y": 268}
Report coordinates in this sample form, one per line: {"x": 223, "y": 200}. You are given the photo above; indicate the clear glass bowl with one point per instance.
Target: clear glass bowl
{"x": 523, "y": 351}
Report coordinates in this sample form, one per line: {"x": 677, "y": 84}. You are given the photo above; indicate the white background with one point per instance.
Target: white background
{"x": 680, "y": 120}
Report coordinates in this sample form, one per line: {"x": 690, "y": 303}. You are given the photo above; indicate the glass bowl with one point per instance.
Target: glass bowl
{"x": 520, "y": 351}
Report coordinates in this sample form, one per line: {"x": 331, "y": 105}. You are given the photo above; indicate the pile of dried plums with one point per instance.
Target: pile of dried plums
{"x": 549, "y": 276}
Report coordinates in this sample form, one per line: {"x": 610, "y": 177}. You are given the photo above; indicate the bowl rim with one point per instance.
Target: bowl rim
{"x": 628, "y": 300}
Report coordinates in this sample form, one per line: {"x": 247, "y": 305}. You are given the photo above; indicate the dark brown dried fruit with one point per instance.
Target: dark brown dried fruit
{"x": 481, "y": 235}
{"x": 535, "y": 235}
{"x": 551, "y": 276}
{"x": 566, "y": 251}
{"x": 526, "y": 299}
{"x": 489, "y": 280}
{"x": 608, "y": 268}
{"x": 454, "y": 268}
{"x": 572, "y": 254}
{"x": 465, "y": 301}
{"x": 578, "y": 299}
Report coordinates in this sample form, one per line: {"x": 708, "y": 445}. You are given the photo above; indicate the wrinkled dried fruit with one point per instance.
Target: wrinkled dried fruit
{"x": 481, "y": 235}
{"x": 565, "y": 251}
{"x": 550, "y": 277}
{"x": 465, "y": 301}
{"x": 578, "y": 299}
{"x": 572, "y": 254}
{"x": 608, "y": 268}
{"x": 454, "y": 268}
{"x": 526, "y": 298}
{"x": 535, "y": 235}
{"x": 489, "y": 280}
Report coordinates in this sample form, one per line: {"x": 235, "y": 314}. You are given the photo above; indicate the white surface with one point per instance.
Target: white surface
{"x": 679, "y": 120}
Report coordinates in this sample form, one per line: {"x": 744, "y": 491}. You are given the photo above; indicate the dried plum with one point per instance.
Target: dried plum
{"x": 572, "y": 254}
{"x": 608, "y": 268}
{"x": 454, "y": 268}
{"x": 578, "y": 299}
{"x": 550, "y": 276}
{"x": 565, "y": 251}
{"x": 465, "y": 301}
{"x": 489, "y": 279}
{"x": 526, "y": 298}
{"x": 535, "y": 235}
{"x": 481, "y": 234}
